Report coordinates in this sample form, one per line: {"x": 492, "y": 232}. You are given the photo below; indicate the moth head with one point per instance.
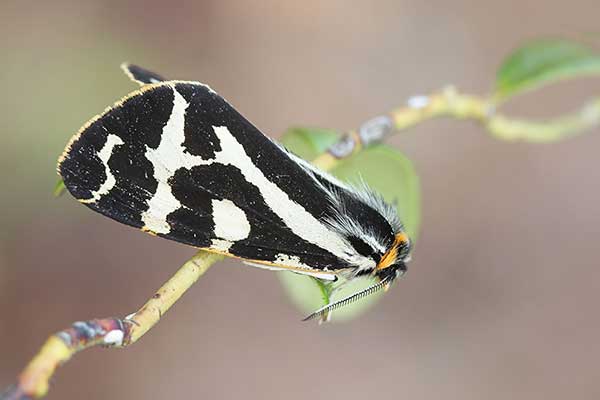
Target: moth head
{"x": 390, "y": 267}
{"x": 393, "y": 263}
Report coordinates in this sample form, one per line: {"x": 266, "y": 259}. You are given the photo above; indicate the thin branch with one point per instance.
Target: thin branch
{"x": 448, "y": 102}
{"x": 33, "y": 382}
{"x": 549, "y": 131}
{"x": 121, "y": 332}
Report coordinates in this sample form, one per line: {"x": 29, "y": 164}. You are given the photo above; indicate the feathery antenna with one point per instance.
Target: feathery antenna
{"x": 321, "y": 312}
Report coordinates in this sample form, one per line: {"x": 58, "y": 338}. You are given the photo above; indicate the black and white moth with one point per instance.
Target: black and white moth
{"x": 176, "y": 160}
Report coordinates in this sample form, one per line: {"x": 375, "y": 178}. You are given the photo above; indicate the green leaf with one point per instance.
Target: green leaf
{"x": 387, "y": 171}
{"x": 543, "y": 62}
{"x": 308, "y": 143}
{"x": 59, "y": 188}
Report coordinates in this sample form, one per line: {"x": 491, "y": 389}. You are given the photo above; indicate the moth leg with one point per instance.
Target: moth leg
{"x": 33, "y": 382}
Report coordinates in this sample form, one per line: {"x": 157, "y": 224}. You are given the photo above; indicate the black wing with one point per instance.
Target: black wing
{"x": 177, "y": 160}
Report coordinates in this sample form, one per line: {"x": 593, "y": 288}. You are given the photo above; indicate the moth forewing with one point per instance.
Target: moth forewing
{"x": 175, "y": 159}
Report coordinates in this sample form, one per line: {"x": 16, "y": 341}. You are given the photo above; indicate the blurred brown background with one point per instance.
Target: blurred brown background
{"x": 500, "y": 300}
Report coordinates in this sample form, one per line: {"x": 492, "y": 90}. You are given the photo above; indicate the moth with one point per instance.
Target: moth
{"x": 178, "y": 161}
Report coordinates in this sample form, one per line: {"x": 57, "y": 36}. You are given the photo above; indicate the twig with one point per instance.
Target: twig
{"x": 110, "y": 332}
{"x": 448, "y": 102}
{"x": 115, "y": 332}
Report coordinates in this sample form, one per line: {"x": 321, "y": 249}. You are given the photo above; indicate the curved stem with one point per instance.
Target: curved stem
{"x": 448, "y": 102}
{"x": 121, "y": 332}
{"x": 33, "y": 382}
